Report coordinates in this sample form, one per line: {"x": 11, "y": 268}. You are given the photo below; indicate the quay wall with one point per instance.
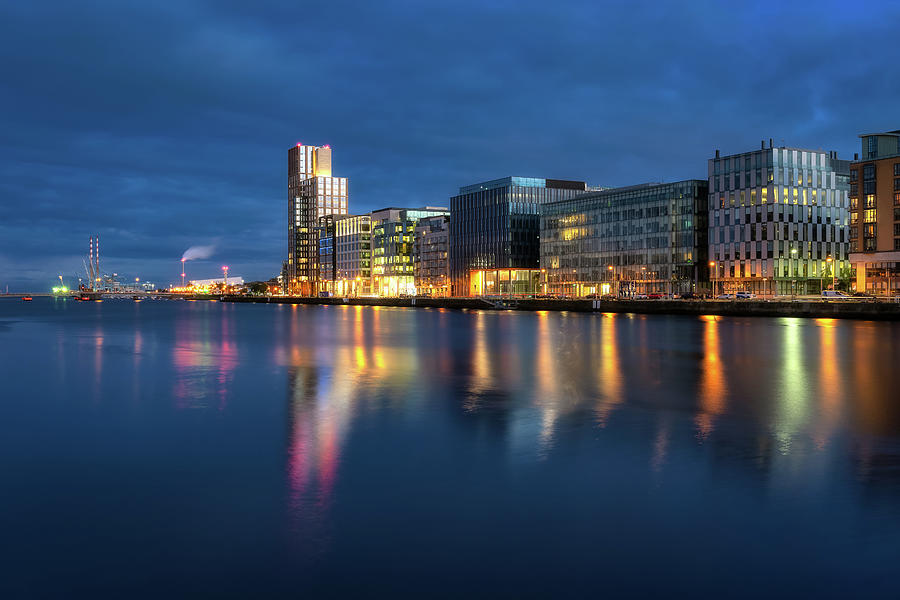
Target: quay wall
{"x": 745, "y": 308}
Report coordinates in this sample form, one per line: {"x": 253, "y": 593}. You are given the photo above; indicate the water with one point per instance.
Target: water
{"x": 164, "y": 449}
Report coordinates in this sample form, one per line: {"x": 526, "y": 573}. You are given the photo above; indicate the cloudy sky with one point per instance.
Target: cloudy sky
{"x": 162, "y": 125}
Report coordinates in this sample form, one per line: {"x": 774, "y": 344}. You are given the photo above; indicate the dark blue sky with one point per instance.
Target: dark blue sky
{"x": 162, "y": 125}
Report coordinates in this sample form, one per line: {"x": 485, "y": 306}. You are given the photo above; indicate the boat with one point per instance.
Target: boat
{"x": 27, "y": 298}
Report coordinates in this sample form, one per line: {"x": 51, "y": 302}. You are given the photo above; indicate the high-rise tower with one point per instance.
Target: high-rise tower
{"x": 312, "y": 193}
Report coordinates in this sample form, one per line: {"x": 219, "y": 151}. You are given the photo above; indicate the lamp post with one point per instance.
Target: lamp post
{"x": 830, "y": 261}
{"x": 793, "y": 273}
{"x": 712, "y": 265}
{"x": 612, "y": 276}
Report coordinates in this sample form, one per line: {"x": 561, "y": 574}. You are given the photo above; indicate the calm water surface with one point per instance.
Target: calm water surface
{"x": 171, "y": 449}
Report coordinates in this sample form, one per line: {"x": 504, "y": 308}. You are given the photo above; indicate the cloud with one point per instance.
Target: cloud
{"x": 156, "y": 125}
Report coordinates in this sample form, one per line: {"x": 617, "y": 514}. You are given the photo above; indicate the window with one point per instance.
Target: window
{"x": 873, "y": 146}
{"x": 854, "y": 218}
{"x": 870, "y": 201}
{"x": 869, "y": 230}
{"x": 854, "y": 190}
{"x": 868, "y": 187}
{"x": 897, "y": 214}
{"x": 896, "y": 228}
{"x": 897, "y": 184}
{"x": 896, "y": 199}
{"x": 896, "y": 243}
{"x": 869, "y": 172}
{"x": 854, "y": 203}
{"x": 869, "y": 215}
{"x": 896, "y": 169}
{"x": 854, "y": 174}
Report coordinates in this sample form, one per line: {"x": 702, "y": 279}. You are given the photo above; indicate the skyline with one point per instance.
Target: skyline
{"x": 162, "y": 128}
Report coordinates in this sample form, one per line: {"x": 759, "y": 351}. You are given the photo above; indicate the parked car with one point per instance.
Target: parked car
{"x": 654, "y": 296}
{"x": 744, "y": 295}
{"x": 689, "y": 296}
{"x": 725, "y": 297}
{"x": 835, "y": 295}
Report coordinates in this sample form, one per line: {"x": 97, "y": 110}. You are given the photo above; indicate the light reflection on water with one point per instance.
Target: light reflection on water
{"x": 362, "y": 435}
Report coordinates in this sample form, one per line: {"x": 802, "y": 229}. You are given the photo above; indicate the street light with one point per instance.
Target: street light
{"x": 612, "y": 276}
{"x": 793, "y": 274}
{"x": 712, "y": 265}
{"x": 830, "y": 261}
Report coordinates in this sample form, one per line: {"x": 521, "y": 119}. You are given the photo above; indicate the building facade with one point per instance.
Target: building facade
{"x": 778, "y": 220}
{"x": 431, "y": 250}
{"x": 649, "y": 238}
{"x": 393, "y": 242}
{"x": 345, "y": 255}
{"x": 875, "y": 214}
{"x": 312, "y": 193}
{"x": 495, "y": 226}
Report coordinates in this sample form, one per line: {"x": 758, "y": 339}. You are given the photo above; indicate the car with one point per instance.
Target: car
{"x": 835, "y": 295}
{"x": 641, "y": 297}
{"x": 744, "y": 295}
{"x": 689, "y": 296}
{"x": 654, "y": 296}
{"x": 725, "y": 297}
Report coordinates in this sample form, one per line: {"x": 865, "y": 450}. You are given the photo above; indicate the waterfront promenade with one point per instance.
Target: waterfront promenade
{"x": 807, "y": 308}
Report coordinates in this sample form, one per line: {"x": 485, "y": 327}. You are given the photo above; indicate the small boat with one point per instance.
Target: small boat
{"x": 27, "y": 298}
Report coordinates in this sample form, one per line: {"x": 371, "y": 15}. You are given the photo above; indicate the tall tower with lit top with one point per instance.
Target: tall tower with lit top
{"x": 312, "y": 193}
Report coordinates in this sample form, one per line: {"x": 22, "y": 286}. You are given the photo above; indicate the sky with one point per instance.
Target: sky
{"x": 165, "y": 125}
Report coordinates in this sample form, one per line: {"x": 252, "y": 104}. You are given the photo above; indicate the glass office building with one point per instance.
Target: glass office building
{"x": 431, "y": 250}
{"x": 312, "y": 193}
{"x": 778, "y": 220}
{"x": 647, "y": 238}
{"x": 345, "y": 255}
{"x": 393, "y": 243}
{"x": 495, "y": 225}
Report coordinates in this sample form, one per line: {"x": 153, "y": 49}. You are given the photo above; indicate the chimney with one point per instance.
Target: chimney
{"x": 856, "y": 156}
{"x": 717, "y": 153}
{"x": 770, "y": 142}
{"x": 762, "y": 144}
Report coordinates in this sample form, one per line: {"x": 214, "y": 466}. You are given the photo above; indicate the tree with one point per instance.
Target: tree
{"x": 258, "y": 287}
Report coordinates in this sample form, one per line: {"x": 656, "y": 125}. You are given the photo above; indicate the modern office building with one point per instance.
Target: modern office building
{"x": 345, "y": 255}
{"x": 431, "y": 250}
{"x": 393, "y": 237}
{"x": 778, "y": 220}
{"x": 494, "y": 233}
{"x": 312, "y": 193}
{"x": 649, "y": 238}
{"x": 875, "y": 214}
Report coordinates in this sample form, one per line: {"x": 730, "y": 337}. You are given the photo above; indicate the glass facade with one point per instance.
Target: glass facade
{"x": 641, "y": 239}
{"x": 312, "y": 193}
{"x": 345, "y": 254}
{"x": 430, "y": 256}
{"x": 778, "y": 220}
{"x": 496, "y": 225}
{"x": 393, "y": 242}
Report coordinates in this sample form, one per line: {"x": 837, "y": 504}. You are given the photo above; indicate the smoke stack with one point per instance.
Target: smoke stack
{"x": 762, "y": 144}
{"x": 717, "y": 153}
{"x": 855, "y": 156}
{"x": 770, "y": 142}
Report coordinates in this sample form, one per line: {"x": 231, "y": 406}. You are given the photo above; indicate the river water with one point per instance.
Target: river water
{"x": 184, "y": 449}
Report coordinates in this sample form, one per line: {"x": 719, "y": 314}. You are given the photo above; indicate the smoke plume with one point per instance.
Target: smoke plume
{"x": 198, "y": 252}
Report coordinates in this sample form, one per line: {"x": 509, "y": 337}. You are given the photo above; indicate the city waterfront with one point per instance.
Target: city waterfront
{"x": 201, "y": 448}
